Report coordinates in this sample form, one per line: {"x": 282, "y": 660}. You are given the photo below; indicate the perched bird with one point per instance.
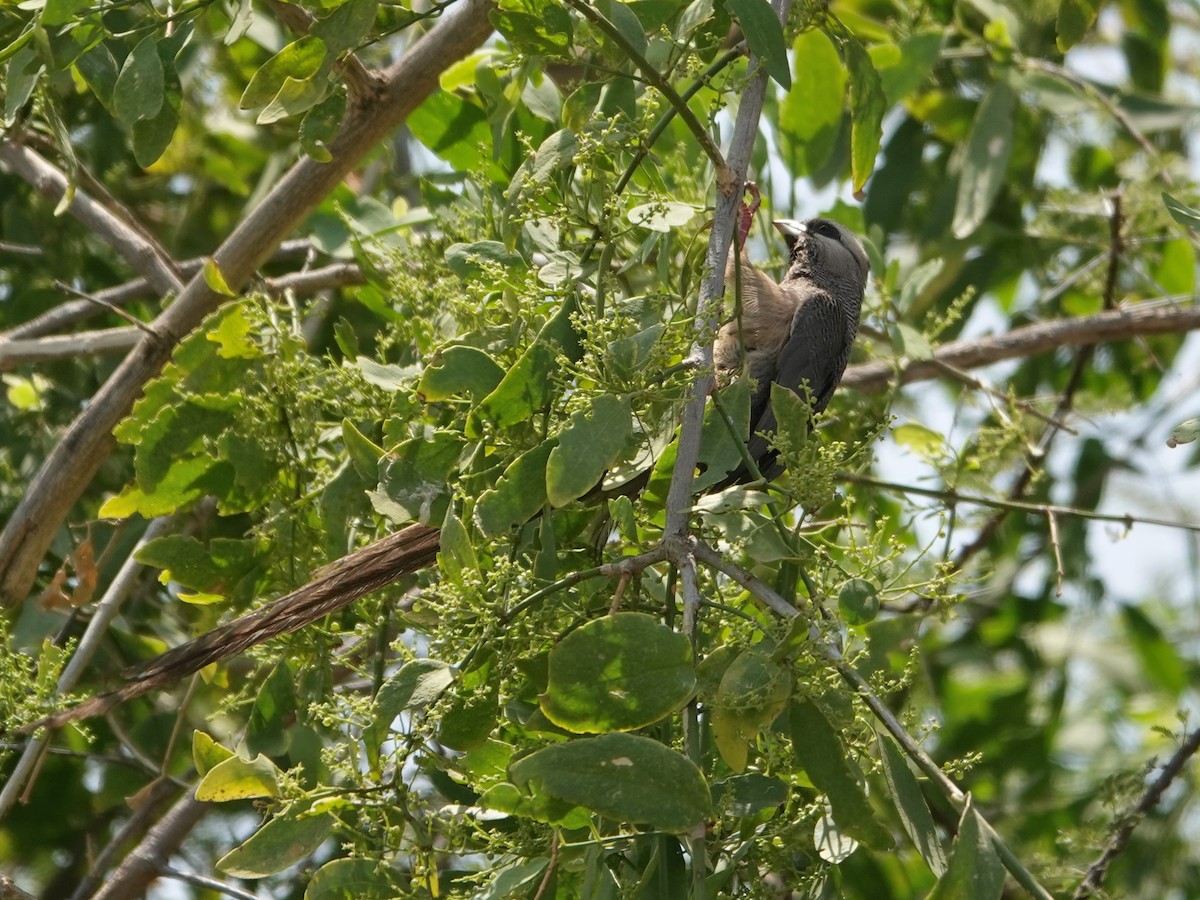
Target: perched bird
{"x": 797, "y": 333}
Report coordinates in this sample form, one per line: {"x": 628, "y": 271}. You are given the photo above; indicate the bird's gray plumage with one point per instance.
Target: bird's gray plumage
{"x": 797, "y": 332}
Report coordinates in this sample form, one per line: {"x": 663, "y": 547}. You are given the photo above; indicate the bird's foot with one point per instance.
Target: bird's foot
{"x": 746, "y": 213}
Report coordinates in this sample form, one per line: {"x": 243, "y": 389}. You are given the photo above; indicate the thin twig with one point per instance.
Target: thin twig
{"x": 1052, "y": 520}
{"x": 655, "y": 79}
{"x": 1149, "y": 799}
{"x": 144, "y": 256}
{"x": 949, "y": 495}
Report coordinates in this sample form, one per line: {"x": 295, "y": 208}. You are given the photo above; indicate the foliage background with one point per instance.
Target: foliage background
{"x": 544, "y": 211}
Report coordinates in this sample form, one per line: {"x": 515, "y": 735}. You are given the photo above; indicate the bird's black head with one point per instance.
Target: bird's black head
{"x": 821, "y": 250}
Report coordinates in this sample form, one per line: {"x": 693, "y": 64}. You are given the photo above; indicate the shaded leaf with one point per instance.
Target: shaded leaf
{"x": 985, "y": 159}
{"x": 618, "y": 673}
{"x": 821, "y": 753}
{"x": 591, "y": 442}
{"x": 764, "y": 36}
{"x": 281, "y": 842}
{"x": 623, "y": 777}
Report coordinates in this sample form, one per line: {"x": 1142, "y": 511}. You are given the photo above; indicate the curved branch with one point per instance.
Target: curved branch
{"x": 69, "y": 469}
{"x": 1030, "y": 340}
{"x": 143, "y": 255}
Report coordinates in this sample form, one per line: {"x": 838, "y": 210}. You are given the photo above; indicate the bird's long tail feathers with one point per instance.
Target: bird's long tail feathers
{"x": 335, "y": 586}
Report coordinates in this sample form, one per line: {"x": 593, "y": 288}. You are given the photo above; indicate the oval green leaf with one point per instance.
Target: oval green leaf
{"x": 618, "y": 673}
{"x": 623, "y": 777}
{"x": 592, "y": 441}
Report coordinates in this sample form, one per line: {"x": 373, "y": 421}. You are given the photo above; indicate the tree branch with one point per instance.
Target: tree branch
{"x": 1149, "y": 799}
{"x": 1030, "y": 340}
{"x": 143, "y": 255}
{"x": 70, "y": 467}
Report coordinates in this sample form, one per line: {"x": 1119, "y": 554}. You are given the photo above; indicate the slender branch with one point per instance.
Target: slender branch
{"x": 77, "y": 310}
{"x": 655, "y": 79}
{"x": 145, "y": 861}
{"x": 1146, "y": 803}
{"x": 68, "y": 470}
{"x": 110, "y": 340}
{"x": 143, "y": 255}
{"x": 106, "y": 610}
{"x": 19, "y": 351}
{"x": 1030, "y": 340}
{"x": 951, "y": 496}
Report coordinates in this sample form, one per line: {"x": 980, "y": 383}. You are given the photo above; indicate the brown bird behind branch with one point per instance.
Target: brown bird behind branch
{"x": 797, "y": 333}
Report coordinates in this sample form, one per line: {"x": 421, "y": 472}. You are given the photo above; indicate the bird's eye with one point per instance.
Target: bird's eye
{"x": 827, "y": 229}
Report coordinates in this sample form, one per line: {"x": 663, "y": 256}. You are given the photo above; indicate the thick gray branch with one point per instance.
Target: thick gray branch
{"x": 1030, "y": 340}
{"x": 69, "y": 469}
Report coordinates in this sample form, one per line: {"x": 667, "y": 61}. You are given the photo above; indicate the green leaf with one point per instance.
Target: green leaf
{"x": 239, "y": 779}
{"x": 745, "y": 795}
{"x": 592, "y": 441}
{"x": 99, "y": 70}
{"x": 858, "y": 601}
{"x": 547, "y": 33}
{"x": 1184, "y": 433}
{"x": 320, "y": 126}
{"x": 215, "y": 278}
{"x": 985, "y": 159}
{"x": 868, "y": 103}
{"x": 1160, "y": 660}
{"x": 624, "y": 777}
{"x": 1075, "y": 19}
{"x": 820, "y": 752}
{"x": 351, "y": 879}
{"x": 138, "y": 93}
{"x": 364, "y": 453}
{"x": 519, "y": 494}
{"x": 556, "y": 153}
{"x": 24, "y": 69}
{"x": 1181, "y": 212}
{"x": 527, "y": 386}
{"x": 505, "y": 797}
{"x": 909, "y": 342}
{"x": 465, "y": 260}
{"x": 904, "y": 71}
{"x": 346, "y": 27}
{"x": 753, "y": 691}
{"x": 910, "y": 803}
{"x": 810, "y": 116}
{"x": 207, "y": 753}
{"x": 764, "y": 36}
{"x": 618, "y": 673}
{"x": 282, "y": 842}
{"x": 471, "y": 718}
{"x": 454, "y": 129}
{"x": 628, "y": 355}
{"x": 923, "y": 441}
{"x": 508, "y": 881}
{"x": 286, "y": 81}
{"x": 455, "y": 554}
{"x": 61, "y": 12}
{"x": 620, "y": 14}
{"x": 388, "y": 377}
{"x": 662, "y": 216}
{"x": 216, "y": 567}
{"x": 414, "y": 477}
{"x": 975, "y": 871}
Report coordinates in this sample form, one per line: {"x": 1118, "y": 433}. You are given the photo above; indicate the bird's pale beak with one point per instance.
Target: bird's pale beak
{"x": 791, "y": 231}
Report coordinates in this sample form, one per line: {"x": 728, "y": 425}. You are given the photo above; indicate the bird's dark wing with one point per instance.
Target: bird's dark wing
{"x": 814, "y": 354}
